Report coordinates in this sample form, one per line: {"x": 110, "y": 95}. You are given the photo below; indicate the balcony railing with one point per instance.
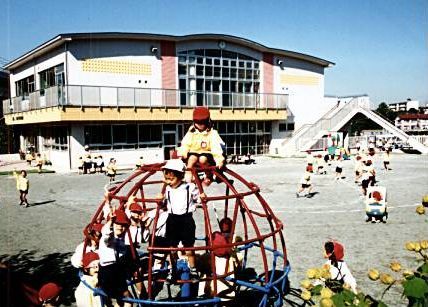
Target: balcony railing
{"x": 101, "y": 96}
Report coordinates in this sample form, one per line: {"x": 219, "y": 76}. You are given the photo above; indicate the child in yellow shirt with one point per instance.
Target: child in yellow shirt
{"x": 22, "y": 185}
{"x": 111, "y": 169}
{"x": 201, "y": 144}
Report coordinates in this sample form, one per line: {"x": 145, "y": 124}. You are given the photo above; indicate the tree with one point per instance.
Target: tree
{"x": 384, "y": 110}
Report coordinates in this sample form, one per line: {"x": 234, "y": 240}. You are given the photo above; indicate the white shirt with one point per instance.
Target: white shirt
{"x": 182, "y": 199}
{"x": 110, "y": 248}
{"x": 161, "y": 224}
{"x": 84, "y": 296}
{"x": 136, "y": 234}
{"x": 342, "y": 271}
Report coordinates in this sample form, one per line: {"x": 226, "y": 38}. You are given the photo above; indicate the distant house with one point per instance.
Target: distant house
{"x": 404, "y": 105}
{"x": 412, "y": 123}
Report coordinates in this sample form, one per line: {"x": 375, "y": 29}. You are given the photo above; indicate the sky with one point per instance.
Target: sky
{"x": 379, "y": 47}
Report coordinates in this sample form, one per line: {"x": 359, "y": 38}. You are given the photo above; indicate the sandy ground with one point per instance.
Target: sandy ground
{"x": 39, "y": 240}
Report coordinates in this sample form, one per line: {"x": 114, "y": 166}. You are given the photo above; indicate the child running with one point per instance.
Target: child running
{"x": 202, "y": 144}
{"x": 181, "y": 198}
{"x": 305, "y": 184}
{"x": 22, "y": 185}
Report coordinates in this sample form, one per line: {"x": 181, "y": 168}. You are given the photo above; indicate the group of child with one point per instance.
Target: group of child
{"x": 105, "y": 256}
{"x": 91, "y": 164}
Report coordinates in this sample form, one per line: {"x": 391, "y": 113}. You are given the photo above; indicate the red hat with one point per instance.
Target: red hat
{"x": 88, "y": 258}
{"x": 201, "y": 114}
{"x": 376, "y": 195}
{"x": 121, "y": 218}
{"x": 49, "y": 291}
{"x": 97, "y": 227}
{"x": 338, "y": 251}
{"x": 134, "y": 207}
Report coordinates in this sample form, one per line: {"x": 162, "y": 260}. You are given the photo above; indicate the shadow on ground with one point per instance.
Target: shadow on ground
{"x": 27, "y": 269}
{"x": 42, "y": 203}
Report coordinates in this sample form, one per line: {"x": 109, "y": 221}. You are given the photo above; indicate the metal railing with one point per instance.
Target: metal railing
{"x": 103, "y": 96}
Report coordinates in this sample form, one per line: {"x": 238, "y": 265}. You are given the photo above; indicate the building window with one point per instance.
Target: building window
{"x": 245, "y": 137}
{"x": 25, "y": 86}
{"x": 282, "y": 127}
{"x": 98, "y": 136}
{"x": 55, "y": 138}
{"x": 150, "y": 136}
{"x": 51, "y": 77}
{"x": 215, "y": 80}
{"x": 123, "y": 136}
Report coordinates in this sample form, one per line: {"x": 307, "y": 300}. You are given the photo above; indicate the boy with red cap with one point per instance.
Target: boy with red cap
{"x": 112, "y": 252}
{"x": 136, "y": 227}
{"x": 49, "y": 295}
{"x": 339, "y": 271}
{"x": 85, "y": 295}
{"x": 202, "y": 144}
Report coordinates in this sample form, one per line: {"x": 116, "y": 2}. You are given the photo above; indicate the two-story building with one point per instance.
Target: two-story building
{"x": 130, "y": 94}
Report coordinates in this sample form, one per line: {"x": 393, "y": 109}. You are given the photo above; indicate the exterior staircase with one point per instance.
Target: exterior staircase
{"x": 333, "y": 120}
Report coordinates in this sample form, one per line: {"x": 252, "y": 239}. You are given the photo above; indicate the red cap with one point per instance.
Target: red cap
{"x": 97, "y": 227}
{"x": 201, "y": 114}
{"x": 49, "y": 291}
{"x": 338, "y": 251}
{"x": 376, "y": 195}
{"x": 134, "y": 207}
{"x": 121, "y": 218}
{"x": 88, "y": 258}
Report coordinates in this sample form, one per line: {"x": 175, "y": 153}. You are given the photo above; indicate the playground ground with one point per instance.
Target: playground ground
{"x": 39, "y": 240}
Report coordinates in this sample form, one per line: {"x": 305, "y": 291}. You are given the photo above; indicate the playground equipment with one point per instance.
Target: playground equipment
{"x": 248, "y": 268}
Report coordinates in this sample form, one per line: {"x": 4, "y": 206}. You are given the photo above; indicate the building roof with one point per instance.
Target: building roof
{"x": 413, "y": 116}
{"x": 62, "y": 38}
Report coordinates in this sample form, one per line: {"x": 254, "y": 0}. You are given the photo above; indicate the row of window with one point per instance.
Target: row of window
{"x": 47, "y": 78}
{"x": 55, "y": 138}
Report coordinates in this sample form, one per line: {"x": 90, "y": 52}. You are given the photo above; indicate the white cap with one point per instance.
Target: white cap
{"x": 175, "y": 165}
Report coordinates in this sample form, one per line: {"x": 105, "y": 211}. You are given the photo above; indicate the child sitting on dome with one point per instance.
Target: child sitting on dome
{"x": 85, "y": 296}
{"x": 201, "y": 144}
{"x": 181, "y": 198}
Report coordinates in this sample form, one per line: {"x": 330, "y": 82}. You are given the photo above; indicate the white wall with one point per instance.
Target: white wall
{"x": 138, "y": 52}
{"x": 302, "y": 97}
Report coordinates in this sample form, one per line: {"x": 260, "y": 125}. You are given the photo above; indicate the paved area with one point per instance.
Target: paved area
{"x": 38, "y": 240}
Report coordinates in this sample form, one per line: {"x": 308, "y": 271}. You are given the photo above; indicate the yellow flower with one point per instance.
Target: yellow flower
{"x": 420, "y": 209}
{"x": 373, "y": 274}
{"x": 424, "y": 244}
{"x": 325, "y": 274}
{"x": 326, "y": 293}
{"x": 395, "y": 266}
{"x": 417, "y": 246}
{"x": 410, "y": 246}
{"x": 305, "y": 295}
{"x": 306, "y": 284}
{"x": 326, "y": 302}
{"x": 386, "y": 279}
{"x": 311, "y": 273}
